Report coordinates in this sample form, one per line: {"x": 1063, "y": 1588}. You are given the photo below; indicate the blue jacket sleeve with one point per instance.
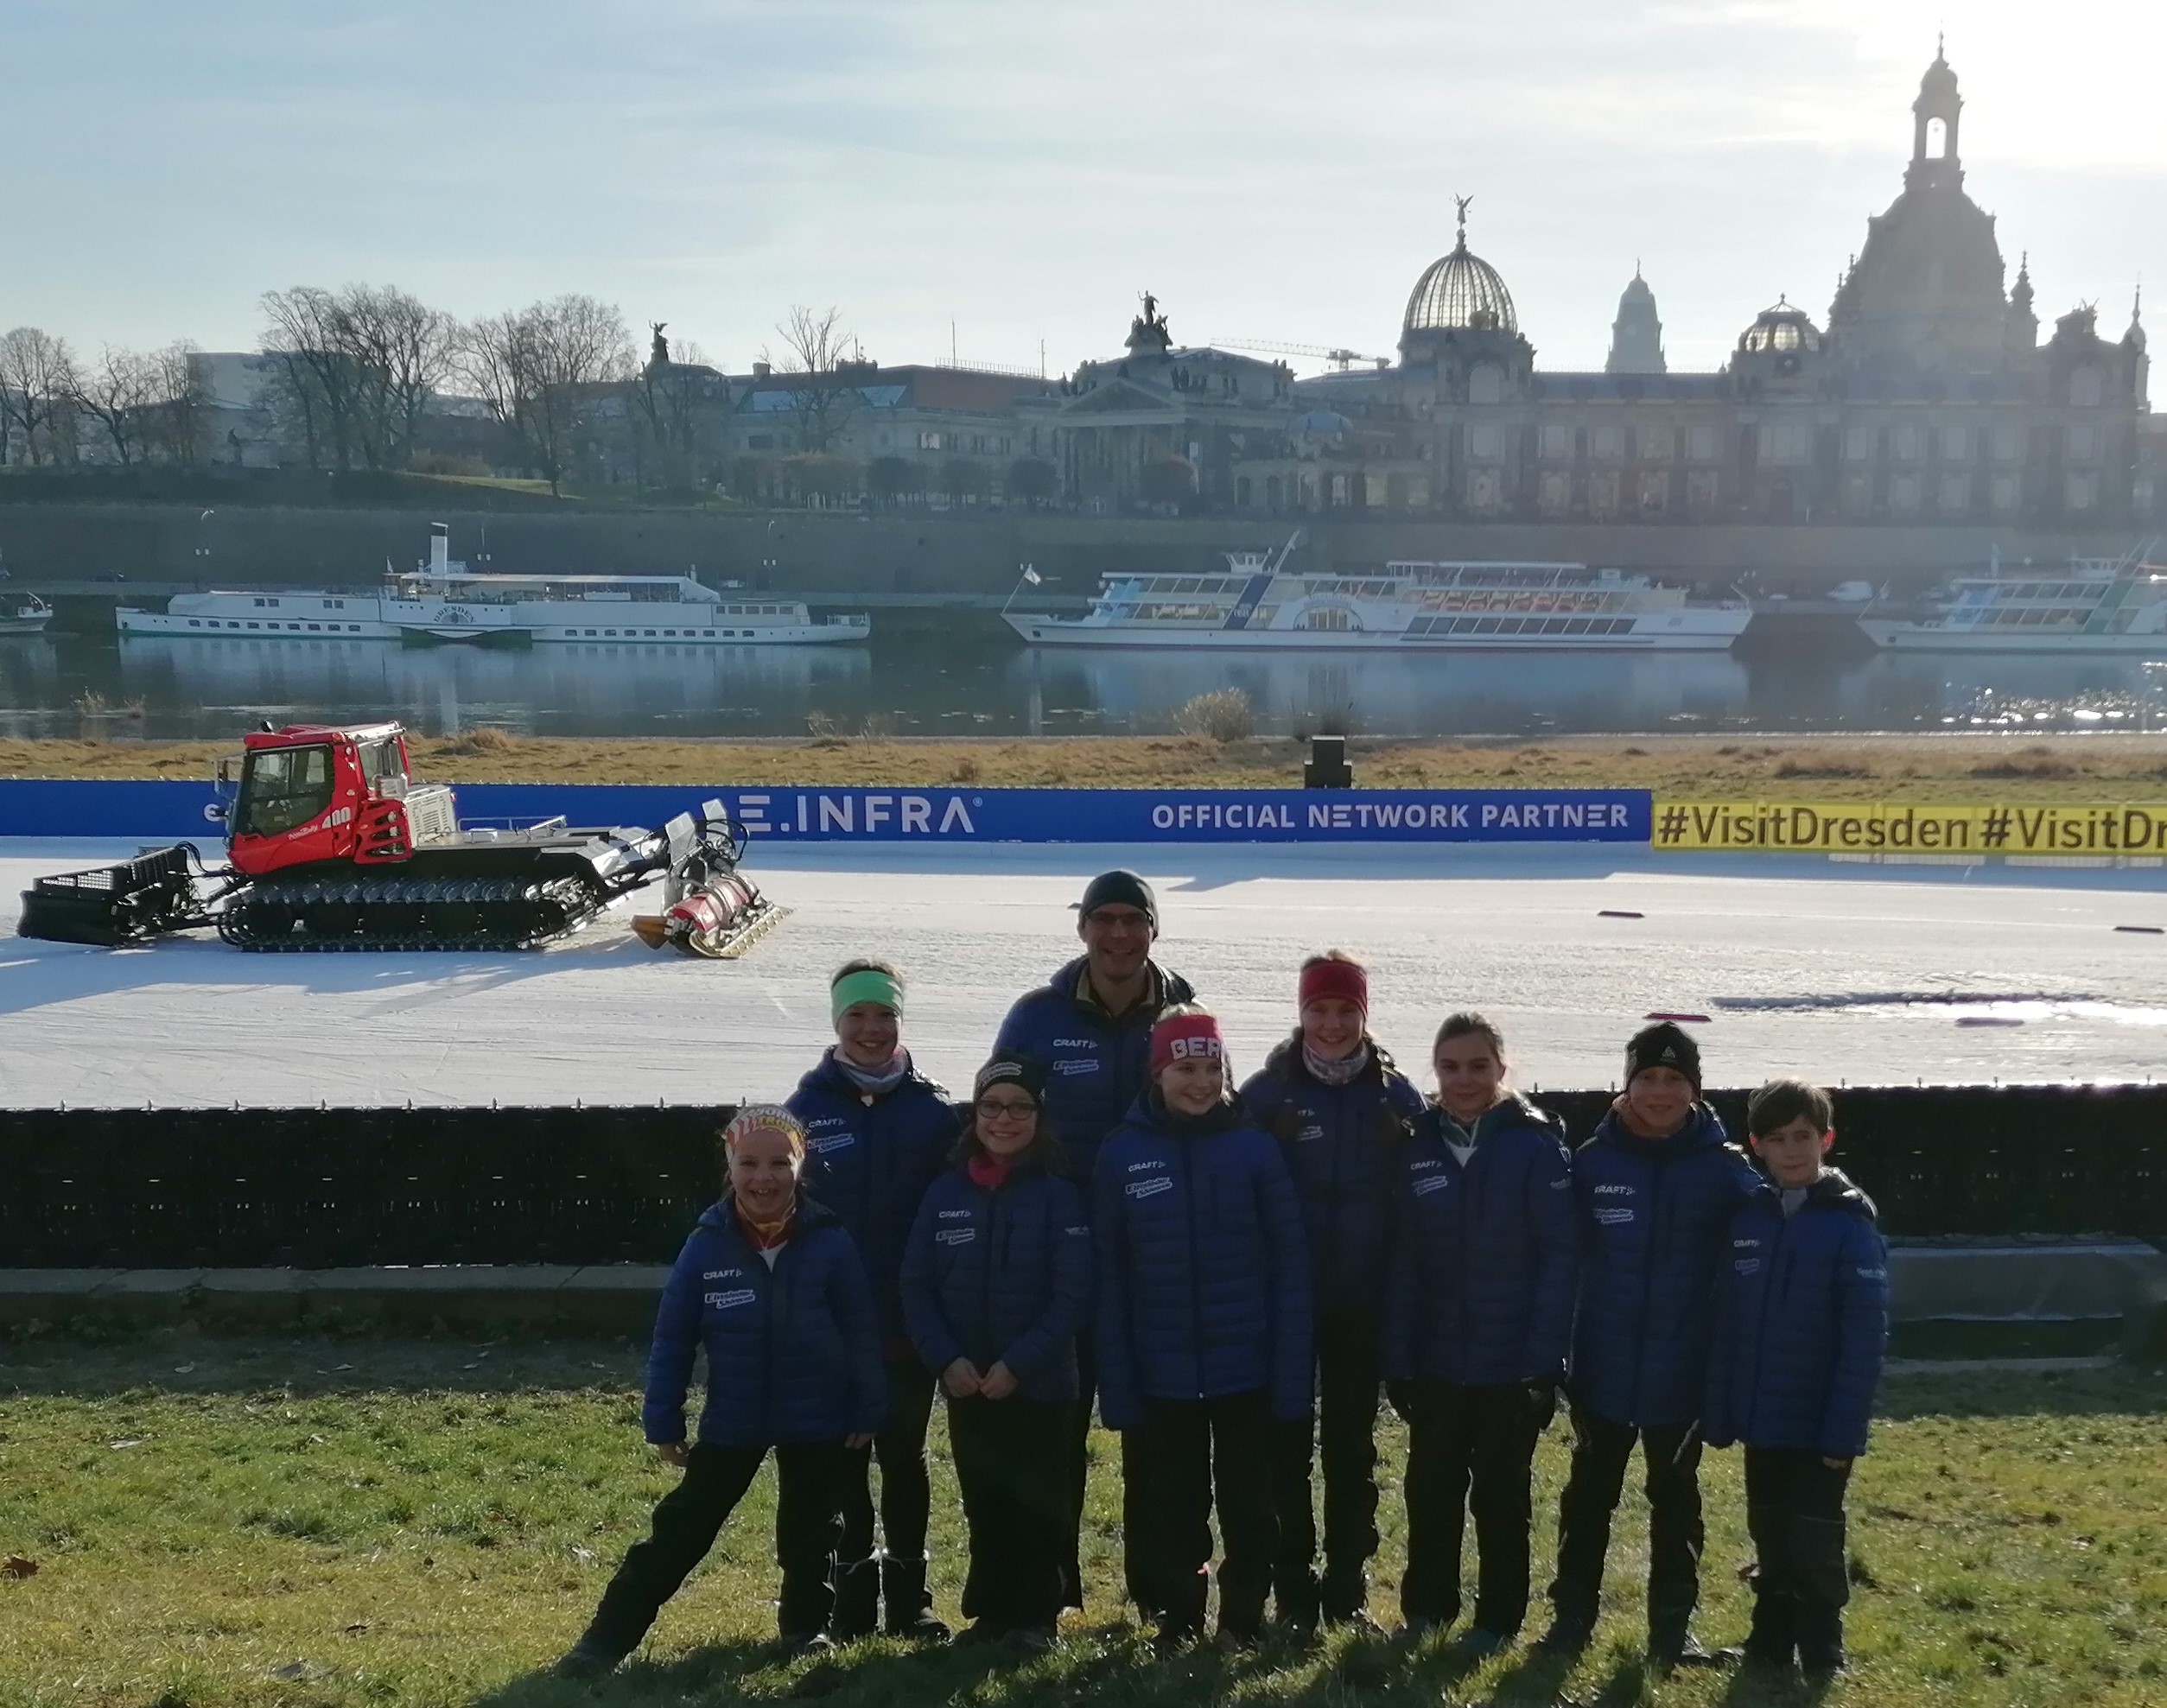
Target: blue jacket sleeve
{"x": 1718, "y": 1427}
{"x": 850, "y": 1297}
{"x": 1069, "y": 1304}
{"x": 923, "y": 1317}
{"x": 671, "y": 1353}
{"x": 1294, "y": 1345}
{"x": 1120, "y": 1401}
{"x": 1862, "y": 1338}
{"x": 1015, "y": 1029}
{"x": 1554, "y": 1223}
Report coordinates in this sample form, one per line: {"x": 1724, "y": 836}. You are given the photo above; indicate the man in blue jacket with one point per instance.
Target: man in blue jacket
{"x": 1803, "y": 1324}
{"x": 1655, "y": 1189}
{"x": 878, "y": 1133}
{"x": 1090, "y": 1024}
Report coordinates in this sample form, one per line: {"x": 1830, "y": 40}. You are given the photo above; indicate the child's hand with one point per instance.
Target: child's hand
{"x": 998, "y": 1383}
{"x": 673, "y": 1453}
{"x": 1836, "y": 1465}
{"x": 961, "y": 1379}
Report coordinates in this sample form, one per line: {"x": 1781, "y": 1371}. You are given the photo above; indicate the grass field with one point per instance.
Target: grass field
{"x": 367, "y": 1523}
{"x": 1966, "y": 767}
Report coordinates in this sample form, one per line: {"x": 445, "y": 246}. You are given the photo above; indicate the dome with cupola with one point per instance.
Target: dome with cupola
{"x": 1781, "y": 330}
{"x": 1460, "y": 291}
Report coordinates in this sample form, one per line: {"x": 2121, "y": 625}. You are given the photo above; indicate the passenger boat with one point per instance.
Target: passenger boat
{"x": 23, "y": 613}
{"x": 2094, "y": 605}
{"x": 1257, "y": 604}
{"x": 443, "y": 601}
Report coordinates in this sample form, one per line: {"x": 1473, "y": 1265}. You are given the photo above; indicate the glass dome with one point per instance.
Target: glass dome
{"x": 1783, "y": 330}
{"x": 1461, "y": 291}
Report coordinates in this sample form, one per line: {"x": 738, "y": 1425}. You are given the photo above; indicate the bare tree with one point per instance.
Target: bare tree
{"x": 542, "y": 369}
{"x": 39, "y": 385}
{"x": 815, "y": 350}
{"x": 672, "y": 400}
{"x": 181, "y": 395}
{"x": 353, "y": 371}
{"x": 117, "y": 393}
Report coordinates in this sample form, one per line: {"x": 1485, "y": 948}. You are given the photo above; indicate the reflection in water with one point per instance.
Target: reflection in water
{"x": 940, "y": 682}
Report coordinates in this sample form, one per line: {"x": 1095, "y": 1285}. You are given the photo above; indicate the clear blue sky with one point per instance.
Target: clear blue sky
{"x": 1277, "y": 170}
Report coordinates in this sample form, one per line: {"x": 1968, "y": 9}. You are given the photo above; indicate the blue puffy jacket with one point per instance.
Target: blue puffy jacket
{"x": 1801, "y": 1324}
{"x": 793, "y": 1354}
{"x": 1203, "y": 1284}
{"x": 1096, "y": 1065}
{"x": 1345, "y": 1146}
{"x": 1001, "y": 1276}
{"x": 1655, "y": 1225}
{"x": 869, "y": 1159}
{"x": 1484, "y": 1255}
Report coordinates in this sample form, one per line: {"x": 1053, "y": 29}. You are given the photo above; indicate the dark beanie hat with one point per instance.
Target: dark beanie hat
{"x": 1123, "y": 888}
{"x": 1026, "y": 1073}
{"x": 1663, "y": 1046}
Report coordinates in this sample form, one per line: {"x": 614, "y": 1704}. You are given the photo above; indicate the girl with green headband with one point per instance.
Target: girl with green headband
{"x": 877, "y": 1134}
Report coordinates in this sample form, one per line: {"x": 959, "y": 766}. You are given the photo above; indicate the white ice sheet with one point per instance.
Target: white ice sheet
{"x": 1777, "y": 951}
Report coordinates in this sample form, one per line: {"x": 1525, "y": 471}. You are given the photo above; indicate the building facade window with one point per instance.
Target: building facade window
{"x": 1606, "y": 444}
{"x": 1703, "y": 442}
{"x": 1485, "y": 444}
{"x": 1557, "y": 442}
{"x": 1859, "y": 442}
{"x": 2005, "y": 492}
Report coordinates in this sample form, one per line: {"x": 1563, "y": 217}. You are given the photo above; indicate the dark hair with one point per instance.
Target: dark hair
{"x": 1044, "y": 1150}
{"x": 1468, "y": 1023}
{"x": 863, "y": 965}
{"x": 1782, "y": 1101}
{"x": 1391, "y": 1128}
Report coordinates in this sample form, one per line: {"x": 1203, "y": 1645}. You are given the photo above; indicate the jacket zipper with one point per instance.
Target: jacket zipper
{"x": 1656, "y": 1172}
{"x": 767, "y": 1333}
{"x": 1196, "y": 1291}
{"x": 1760, "y": 1325}
{"x": 986, "y": 1269}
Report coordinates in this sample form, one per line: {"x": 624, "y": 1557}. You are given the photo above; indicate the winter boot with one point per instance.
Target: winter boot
{"x": 1772, "y": 1642}
{"x": 909, "y": 1603}
{"x": 1824, "y": 1585}
{"x": 1344, "y": 1597}
{"x": 857, "y": 1601}
{"x": 1671, "y": 1643}
{"x": 1295, "y": 1598}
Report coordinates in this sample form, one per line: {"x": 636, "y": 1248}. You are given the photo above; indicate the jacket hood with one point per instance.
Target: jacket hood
{"x": 1703, "y": 1131}
{"x": 1837, "y": 1190}
{"x": 721, "y": 1216}
{"x": 829, "y": 1077}
{"x": 1150, "y": 1111}
{"x": 1285, "y": 1059}
{"x": 1172, "y": 988}
{"x": 1514, "y": 1111}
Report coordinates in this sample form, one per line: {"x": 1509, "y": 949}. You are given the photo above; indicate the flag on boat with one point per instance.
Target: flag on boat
{"x": 1031, "y": 575}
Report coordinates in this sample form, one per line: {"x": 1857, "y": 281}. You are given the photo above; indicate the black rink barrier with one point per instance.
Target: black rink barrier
{"x": 321, "y": 1188}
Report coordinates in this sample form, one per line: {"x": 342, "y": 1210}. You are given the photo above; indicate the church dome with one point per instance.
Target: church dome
{"x": 1781, "y": 331}
{"x": 1460, "y": 291}
{"x": 1938, "y": 84}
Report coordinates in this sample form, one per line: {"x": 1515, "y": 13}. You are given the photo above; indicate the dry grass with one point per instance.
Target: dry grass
{"x": 1929, "y": 767}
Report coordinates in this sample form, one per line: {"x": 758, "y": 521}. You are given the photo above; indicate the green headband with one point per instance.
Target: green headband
{"x": 866, "y": 985}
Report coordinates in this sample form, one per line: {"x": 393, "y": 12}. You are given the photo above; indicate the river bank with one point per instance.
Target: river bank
{"x": 2001, "y": 767}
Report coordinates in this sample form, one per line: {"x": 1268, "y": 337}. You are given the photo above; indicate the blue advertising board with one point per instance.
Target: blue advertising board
{"x": 807, "y": 813}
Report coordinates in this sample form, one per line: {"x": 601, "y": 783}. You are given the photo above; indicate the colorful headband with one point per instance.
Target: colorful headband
{"x": 1186, "y": 1037}
{"x": 771, "y": 1117}
{"x": 868, "y": 984}
{"x": 1344, "y": 979}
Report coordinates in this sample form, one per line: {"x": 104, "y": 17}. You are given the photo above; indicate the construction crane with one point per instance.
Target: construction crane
{"x": 1341, "y": 358}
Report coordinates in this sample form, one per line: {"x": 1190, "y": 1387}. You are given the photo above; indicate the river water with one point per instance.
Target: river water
{"x": 920, "y": 678}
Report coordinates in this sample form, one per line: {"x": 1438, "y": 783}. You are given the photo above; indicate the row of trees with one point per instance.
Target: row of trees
{"x": 144, "y": 404}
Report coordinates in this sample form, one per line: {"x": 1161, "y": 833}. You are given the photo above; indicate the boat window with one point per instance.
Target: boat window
{"x": 282, "y": 788}
{"x": 195, "y": 623}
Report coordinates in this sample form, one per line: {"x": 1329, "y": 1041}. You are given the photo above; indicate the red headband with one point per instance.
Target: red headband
{"x": 1344, "y": 979}
{"x": 1186, "y": 1037}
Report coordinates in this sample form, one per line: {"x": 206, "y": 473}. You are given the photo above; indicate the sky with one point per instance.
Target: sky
{"x": 993, "y": 178}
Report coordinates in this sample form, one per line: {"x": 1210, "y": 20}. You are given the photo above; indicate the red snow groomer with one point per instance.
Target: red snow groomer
{"x": 333, "y": 845}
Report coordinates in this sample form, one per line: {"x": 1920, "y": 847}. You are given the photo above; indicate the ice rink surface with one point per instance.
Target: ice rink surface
{"x": 1869, "y": 974}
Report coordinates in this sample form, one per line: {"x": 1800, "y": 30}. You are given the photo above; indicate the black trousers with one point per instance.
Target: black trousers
{"x": 1469, "y": 1447}
{"x": 906, "y": 1494}
{"x": 1344, "y": 1438}
{"x": 1795, "y": 1512}
{"x": 1602, "y": 1449}
{"x": 1012, "y": 1462}
{"x": 1078, "y": 1470}
{"x": 1188, "y": 1457}
{"x": 688, "y": 1518}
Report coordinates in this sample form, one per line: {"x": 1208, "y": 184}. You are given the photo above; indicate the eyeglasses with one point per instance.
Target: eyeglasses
{"x": 1003, "y": 1109}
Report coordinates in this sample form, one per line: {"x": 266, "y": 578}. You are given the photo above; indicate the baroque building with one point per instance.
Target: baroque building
{"x": 1925, "y": 397}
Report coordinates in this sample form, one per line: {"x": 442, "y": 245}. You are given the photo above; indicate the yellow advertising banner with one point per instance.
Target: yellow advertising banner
{"x": 1904, "y": 827}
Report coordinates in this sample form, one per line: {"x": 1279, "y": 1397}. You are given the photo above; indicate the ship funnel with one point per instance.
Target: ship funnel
{"x": 440, "y": 547}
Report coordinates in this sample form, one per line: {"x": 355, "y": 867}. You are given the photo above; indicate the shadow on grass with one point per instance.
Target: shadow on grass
{"x": 183, "y": 1360}
{"x": 2128, "y": 1389}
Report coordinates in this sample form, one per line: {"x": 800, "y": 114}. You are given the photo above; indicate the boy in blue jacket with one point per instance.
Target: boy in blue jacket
{"x": 877, "y": 1133}
{"x": 997, "y": 1282}
{"x": 1478, "y": 1320}
{"x": 770, "y": 1287}
{"x": 1203, "y": 1332}
{"x": 1090, "y": 1024}
{"x": 1655, "y": 1189}
{"x": 1343, "y": 1115}
{"x": 1802, "y": 1328}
